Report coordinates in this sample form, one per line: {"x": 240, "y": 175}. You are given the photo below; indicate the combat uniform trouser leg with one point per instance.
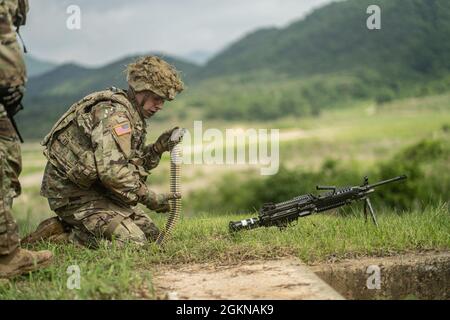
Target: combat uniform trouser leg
{"x": 10, "y": 168}
{"x": 146, "y": 224}
{"x": 98, "y": 220}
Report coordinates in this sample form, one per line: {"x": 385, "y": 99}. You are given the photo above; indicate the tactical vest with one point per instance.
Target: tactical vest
{"x": 68, "y": 145}
{"x": 12, "y": 66}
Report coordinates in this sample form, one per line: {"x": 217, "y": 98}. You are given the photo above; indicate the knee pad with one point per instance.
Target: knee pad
{"x": 126, "y": 231}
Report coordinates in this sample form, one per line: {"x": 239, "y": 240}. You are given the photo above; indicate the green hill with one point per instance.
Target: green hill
{"x": 36, "y": 67}
{"x": 73, "y": 79}
{"x": 413, "y": 41}
{"x": 330, "y": 59}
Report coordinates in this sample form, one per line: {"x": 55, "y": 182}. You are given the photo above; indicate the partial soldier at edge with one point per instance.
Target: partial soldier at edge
{"x": 13, "y": 259}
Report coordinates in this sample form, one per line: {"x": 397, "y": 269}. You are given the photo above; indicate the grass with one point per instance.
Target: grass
{"x": 105, "y": 274}
{"x": 126, "y": 273}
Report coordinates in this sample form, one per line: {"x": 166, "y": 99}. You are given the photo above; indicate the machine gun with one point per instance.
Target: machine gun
{"x": 284, "y": 213}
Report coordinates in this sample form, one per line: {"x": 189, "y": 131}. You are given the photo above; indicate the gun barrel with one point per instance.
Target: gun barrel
{"x": 402, "y": 177}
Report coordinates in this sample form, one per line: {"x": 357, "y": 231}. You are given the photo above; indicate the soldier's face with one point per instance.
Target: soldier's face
{"x": 152, "y": 104}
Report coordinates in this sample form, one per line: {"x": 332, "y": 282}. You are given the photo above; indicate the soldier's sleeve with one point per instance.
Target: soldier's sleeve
{"x": 111, "y": 139}
{"x": 151, "y": 158}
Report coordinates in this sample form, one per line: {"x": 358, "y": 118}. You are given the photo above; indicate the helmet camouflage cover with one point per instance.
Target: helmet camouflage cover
{"x": 156, "y": 75}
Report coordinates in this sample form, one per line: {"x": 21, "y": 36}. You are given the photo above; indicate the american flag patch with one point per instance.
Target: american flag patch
{"x": 122, "y": 129}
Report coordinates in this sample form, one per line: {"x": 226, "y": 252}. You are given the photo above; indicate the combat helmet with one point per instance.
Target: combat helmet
{"x": 156, "y": 75}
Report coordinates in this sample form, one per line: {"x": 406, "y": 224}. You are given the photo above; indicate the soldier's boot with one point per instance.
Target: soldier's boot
{"x": 22, "y": 261}
{"x": 51, "y": 229}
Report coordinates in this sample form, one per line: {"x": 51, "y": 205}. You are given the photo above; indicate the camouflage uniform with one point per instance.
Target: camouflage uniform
{"x": 97, "y": 167}
{"x": 12, "y": 74}
{"x": 12, "y": 70}
{"x": 10, "y": 168}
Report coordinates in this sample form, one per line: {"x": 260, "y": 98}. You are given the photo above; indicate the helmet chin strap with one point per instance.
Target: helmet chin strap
{"x": 139, "y": 106}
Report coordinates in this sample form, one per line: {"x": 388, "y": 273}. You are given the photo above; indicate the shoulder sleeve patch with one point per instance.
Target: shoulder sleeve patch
{"x": 122, "y": 129}
{"x": 122, "y": 135}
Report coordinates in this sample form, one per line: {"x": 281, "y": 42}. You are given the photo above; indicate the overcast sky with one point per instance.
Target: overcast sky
{"x": 111, "y": 29}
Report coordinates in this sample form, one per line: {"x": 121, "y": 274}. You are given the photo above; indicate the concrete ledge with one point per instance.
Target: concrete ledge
{"x": 251, "y": 280}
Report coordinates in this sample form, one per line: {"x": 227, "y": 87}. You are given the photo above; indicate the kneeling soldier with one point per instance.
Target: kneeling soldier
{"x": 98, "y": 161}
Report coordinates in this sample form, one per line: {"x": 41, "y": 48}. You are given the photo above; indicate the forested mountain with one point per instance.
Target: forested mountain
{"x": 413, "y": 40}
{"x": 329, "y": 59}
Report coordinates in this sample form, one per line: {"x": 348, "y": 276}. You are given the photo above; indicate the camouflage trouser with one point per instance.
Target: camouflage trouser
{"x": 10, "y": 167}
{"x": 103, "y": 219}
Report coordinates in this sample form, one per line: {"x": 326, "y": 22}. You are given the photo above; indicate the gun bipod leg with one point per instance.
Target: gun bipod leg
{"x": 372, "y": 213}
{"x": 365, "y": 210}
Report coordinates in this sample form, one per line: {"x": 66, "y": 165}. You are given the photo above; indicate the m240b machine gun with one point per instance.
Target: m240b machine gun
{"x": 284, "y": 213}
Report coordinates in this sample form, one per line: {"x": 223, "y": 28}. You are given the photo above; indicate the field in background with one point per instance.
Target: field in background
{"x": 361, "y": 137}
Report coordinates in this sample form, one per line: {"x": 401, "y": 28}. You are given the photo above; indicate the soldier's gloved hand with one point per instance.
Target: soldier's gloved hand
{"x": 162, "y": 143}
{"x": 14, "y": 95}
{"x": 160, "y": 202}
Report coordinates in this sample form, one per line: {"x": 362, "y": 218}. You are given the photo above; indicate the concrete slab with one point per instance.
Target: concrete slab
{"x": 251, "y": 280}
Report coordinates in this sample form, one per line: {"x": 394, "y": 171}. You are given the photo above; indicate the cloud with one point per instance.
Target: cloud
{"x": 115, "y": 28}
